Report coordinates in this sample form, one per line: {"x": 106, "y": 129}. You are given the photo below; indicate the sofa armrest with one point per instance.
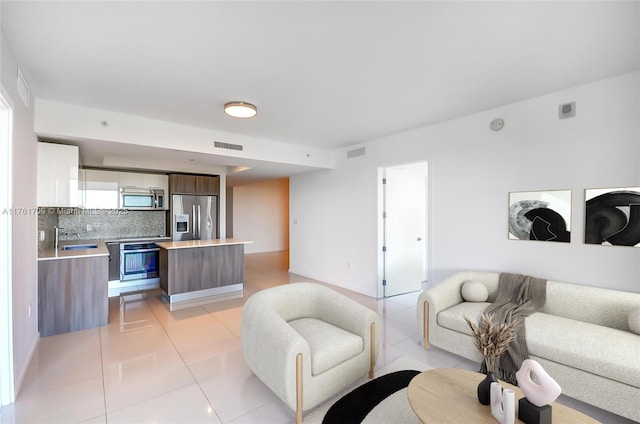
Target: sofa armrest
{"x": 270, "y": 347}
{"x": 446, "y": 294}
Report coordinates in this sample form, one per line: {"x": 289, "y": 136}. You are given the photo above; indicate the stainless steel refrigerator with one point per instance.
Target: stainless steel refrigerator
{"x": 193, "y": 217}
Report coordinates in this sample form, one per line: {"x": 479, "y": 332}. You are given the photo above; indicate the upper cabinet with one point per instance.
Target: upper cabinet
{"x": 57, "y": 175}
{"x": 194, "y": 184}
{"x": 139, "y": 180}
{"x": 100, "y": 189}
{"x": 155, "y": 181}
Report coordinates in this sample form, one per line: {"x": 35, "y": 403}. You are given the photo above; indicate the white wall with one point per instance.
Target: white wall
{"x": 24, "y": 235}
{"x": 472, "y": 170}
{"x": 261, "y": 214}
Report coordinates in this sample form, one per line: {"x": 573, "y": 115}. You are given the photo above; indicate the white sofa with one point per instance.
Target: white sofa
{"x": 582, "y": 336}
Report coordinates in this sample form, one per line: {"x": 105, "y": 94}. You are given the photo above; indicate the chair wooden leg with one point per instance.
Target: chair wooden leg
{"x": 425, "y": 331}
{"x": 372, "y": 357}
{"x": 299, "y": 388}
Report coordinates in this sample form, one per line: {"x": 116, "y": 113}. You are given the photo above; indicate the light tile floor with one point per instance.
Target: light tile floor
{"x": 150, "y": 365}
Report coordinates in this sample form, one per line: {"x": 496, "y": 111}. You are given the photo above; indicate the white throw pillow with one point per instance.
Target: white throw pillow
{"x": 634, "y": 320}
{"x": 474, "y": 291}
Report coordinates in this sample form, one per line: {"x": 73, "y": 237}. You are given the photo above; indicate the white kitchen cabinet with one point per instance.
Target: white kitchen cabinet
{"x": 57, "y": 175}
{"x": 155, "y": 181}
{"x": 130, "y": 179}
{"x": 142, "y": 180}
{"x": 100, "y": 189}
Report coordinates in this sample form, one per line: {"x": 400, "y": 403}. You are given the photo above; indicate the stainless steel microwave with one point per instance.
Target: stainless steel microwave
{"x": 141, "y": 199}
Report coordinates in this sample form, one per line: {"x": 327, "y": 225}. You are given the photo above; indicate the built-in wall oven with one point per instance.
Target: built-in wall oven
{"x": 140, "y": 262}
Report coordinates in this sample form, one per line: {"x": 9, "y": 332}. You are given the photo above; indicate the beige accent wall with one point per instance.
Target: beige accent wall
{"x": 261, "y": 214}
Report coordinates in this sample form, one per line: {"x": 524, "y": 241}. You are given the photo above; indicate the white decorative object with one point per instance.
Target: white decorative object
{"x": 503, "y": 404}
{"x": 538, "y": 394}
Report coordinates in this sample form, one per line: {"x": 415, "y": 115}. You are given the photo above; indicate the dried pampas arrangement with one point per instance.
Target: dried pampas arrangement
{"x": 491, "y": 339}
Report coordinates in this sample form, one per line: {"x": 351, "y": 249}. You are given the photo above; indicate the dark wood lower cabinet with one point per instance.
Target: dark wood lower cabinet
{"x": 114, "y": 261}
{"x": 199, "y": 268}
{"x": 72, "y": 294}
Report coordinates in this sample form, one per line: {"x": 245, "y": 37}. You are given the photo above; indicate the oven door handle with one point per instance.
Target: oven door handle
{"x": 154, "y": 249}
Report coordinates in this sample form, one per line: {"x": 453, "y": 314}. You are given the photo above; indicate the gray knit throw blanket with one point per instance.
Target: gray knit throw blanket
{"x": 518, "y": 297}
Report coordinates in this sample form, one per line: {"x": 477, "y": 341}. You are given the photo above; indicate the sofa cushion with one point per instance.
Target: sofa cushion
{"x": 453, "y": 317}
{"x": 634, "y": 320}
{"x": 599, "y": 350}
{"x": 329, "y": 344}
{"x": 474, "y": 291}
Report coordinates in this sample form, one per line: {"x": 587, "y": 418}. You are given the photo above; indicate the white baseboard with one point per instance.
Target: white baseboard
{"x": 19, "y": 378}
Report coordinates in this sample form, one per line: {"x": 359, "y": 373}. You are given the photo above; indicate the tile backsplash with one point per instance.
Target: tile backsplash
{"x": 85, "y": 224}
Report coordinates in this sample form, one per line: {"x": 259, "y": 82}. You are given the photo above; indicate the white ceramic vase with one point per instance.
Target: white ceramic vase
{"x": 538, "y": 394}
{"x": 503, "y": 404}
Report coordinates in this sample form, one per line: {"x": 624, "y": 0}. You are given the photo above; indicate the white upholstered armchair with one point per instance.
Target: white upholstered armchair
{"x": 307, "y": 342}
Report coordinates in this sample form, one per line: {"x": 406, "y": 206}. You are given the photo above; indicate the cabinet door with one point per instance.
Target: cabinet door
{"x": 57, "y": 175}
{"x": 114, "y": 261}
{"x": 207, "y": 185}
{"x": 100, "y": 189}
{"x": 130, "y": 179}
{"x": 182, "y": 184}
{"x": 154, "y": 181}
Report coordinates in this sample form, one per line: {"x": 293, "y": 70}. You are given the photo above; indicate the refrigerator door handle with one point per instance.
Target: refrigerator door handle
{"x": 194, "y": 223}
{"x": 199, "y": 235}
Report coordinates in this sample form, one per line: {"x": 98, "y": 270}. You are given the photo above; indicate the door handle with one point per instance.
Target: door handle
{"x": 419, "y": 239}
{"x": 194, "y": 223}
{"x": 199, "y": 235}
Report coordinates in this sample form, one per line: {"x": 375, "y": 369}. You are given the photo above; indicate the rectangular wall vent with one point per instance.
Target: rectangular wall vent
{"x": 23, "y": 88}
{"x": 230, "y": 146}
{"x": 567, "y": 110}
{"x": 355, "y": 153}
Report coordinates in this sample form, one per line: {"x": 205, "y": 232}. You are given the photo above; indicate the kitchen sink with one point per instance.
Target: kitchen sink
{"x": 79, "y": 246}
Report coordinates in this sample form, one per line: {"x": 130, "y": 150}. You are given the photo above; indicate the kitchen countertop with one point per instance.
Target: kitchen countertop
{"x": 101, "y": 250}
{"x": 190, "y": 244}
{"x": 51, "y": 253}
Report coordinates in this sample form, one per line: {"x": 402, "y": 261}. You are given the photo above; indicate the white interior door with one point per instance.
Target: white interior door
{"x": 405, "y": 251}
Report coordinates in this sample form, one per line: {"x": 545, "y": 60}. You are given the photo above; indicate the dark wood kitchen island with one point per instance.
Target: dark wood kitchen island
{"x": 196, "y": 269}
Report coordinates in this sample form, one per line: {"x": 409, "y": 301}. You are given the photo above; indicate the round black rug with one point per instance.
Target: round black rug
{"x": 353, "y": 407}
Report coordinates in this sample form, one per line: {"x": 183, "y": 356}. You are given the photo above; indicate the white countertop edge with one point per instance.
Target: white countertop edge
{"x": 77, "y": 254}
{"x": 194, "y": 244}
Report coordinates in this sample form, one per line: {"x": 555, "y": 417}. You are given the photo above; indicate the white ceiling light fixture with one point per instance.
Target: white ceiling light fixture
{"x": 240, "y": 109}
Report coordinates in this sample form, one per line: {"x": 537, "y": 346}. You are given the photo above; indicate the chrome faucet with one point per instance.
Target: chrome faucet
{"x": 56, "y": 237}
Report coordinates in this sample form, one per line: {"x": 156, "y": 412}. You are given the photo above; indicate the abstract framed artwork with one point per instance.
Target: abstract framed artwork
{"x": 612, "y": 216}
{"x": 540, "y": 215}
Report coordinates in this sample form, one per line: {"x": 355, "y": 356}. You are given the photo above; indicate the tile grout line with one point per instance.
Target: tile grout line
{"x": 184, "y": 362}
{"x": 161, "y": 394}
{"x": 104, "y": 386}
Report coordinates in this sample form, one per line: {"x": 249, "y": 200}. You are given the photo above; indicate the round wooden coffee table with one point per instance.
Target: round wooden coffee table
{"x": 448, "y": 395}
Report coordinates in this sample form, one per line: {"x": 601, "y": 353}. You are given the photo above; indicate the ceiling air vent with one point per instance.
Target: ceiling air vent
{"x": 355, "y": 153}
{"x": 229, "y": 146}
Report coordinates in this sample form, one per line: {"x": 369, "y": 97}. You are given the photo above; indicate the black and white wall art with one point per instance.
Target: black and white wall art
{"x": 540, "y": 215}
{"x": 612, "y": 216}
